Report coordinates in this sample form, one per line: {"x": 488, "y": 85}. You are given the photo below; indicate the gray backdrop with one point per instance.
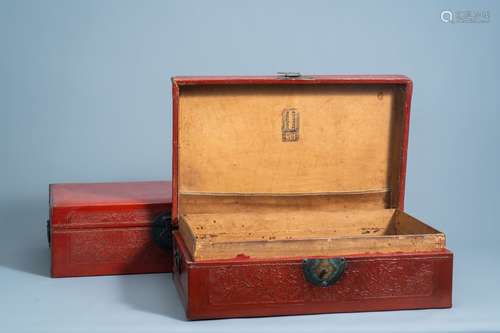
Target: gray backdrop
{"x": 85, "y": 96}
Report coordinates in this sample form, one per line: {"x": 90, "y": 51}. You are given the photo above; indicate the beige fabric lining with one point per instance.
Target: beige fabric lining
{"x": 230, "y": 140}
{"x": 197, "y": 204}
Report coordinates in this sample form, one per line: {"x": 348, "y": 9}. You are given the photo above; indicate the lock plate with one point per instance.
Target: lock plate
{"x": 323, "y": 272}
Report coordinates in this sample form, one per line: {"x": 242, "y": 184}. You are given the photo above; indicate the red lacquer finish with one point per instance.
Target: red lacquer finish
{"x": 245, "y": 287}
{"x": 105, "y": 228}
{"x": 250, "y": 288}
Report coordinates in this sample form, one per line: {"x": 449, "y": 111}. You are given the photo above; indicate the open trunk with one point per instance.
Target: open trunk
{"x": 272, "y": 174}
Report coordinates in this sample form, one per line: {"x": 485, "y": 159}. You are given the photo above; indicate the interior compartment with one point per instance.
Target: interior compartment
{"x": 294, "y": 170}
{"x": 305, "y": 233}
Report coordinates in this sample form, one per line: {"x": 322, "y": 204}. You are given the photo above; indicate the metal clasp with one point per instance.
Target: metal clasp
{"x": 162, "y": 231}
{"x": 48, "y": 231}
{"x": 323, "y": 272}
{"x": 288, "y": 75}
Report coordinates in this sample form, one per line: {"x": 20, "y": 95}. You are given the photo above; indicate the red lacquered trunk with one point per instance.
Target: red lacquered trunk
{"x": 106, "y": 228}
{"x": 247, "y": 287}
{"x": 250, "y": 288}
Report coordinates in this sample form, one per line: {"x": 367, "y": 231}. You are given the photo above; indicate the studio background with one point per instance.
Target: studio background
{"x": 85, "y": 97}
